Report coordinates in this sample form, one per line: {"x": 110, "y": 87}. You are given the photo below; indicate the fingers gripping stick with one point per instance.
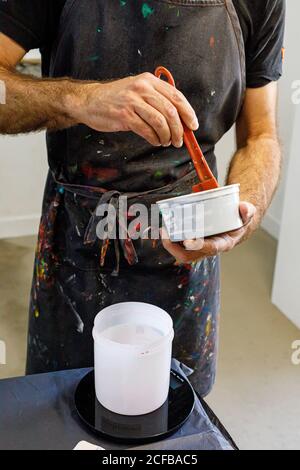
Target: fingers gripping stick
{"x": 207, "y": 179}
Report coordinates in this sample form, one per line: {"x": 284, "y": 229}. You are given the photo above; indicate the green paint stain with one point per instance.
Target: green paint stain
{"x": 178, "y": 13}
{"x": 147, "y": 10}
{"x": 158, "y": 174}
{"x": 122, "y": 3}
{"x": 99, "y": 30}
{"x": 88, "y": 136}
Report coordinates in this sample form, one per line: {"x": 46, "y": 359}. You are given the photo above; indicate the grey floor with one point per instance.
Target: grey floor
{"x": 257, "y": 390}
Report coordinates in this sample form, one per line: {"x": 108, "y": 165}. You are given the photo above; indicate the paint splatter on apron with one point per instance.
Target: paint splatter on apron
{"x": 200, "y": 41}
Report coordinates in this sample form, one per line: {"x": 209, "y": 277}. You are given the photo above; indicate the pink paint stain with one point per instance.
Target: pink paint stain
{"x": 99, "y": 173}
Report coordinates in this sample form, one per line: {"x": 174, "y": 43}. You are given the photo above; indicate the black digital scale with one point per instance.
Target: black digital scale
{"x": 135, "y": 429}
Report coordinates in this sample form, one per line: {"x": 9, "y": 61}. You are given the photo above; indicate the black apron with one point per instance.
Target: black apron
{"x": 201, "y": 43}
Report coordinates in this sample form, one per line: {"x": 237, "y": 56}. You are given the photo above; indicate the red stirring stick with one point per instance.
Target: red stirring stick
{"x": 205, "y": 175}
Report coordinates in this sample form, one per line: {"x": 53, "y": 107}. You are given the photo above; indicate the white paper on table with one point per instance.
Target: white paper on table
{"x": 84, "y": 445}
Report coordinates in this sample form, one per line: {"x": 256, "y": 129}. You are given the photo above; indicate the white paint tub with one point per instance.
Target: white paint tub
{"x": 132, "y": 351}
{"x": 216, "y": 211}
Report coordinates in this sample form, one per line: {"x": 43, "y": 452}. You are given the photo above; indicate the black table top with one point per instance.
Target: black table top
{"x": 38, "y": 413}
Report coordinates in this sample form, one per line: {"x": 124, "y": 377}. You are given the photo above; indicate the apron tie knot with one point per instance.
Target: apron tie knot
{"x": 111, "y": 198}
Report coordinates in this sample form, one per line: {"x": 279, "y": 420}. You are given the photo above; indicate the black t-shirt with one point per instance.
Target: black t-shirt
{"x": 34, "y": 23}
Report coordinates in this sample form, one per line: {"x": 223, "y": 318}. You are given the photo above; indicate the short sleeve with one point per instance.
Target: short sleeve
{"x": 25, "y": 21}
{"x": 264, "y": 51}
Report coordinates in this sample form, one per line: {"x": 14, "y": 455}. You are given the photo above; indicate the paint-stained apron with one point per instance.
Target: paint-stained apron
{"x": 201, "y": 42}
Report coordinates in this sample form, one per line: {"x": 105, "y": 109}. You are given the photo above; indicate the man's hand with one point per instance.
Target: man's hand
{"x": 143, "y": 104}
{"x": 191, "y": 251}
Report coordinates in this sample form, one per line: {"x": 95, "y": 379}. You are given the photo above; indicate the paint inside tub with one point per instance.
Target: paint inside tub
{"x": 133, "y": 335}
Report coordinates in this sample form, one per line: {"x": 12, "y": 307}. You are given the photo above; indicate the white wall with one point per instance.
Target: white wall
{"x": 23, "y": 170}
{"x": 287, "y": 272}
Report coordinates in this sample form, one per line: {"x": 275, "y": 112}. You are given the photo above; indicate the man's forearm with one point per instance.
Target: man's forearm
{"x": 32, "y": 104}
{"x": 143, "y": 104}
{"x": 256, "y": 167}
